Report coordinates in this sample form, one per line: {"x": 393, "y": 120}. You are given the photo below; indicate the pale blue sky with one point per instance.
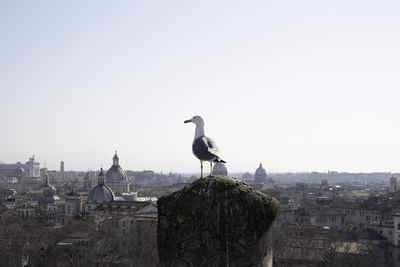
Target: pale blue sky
{"x": 296, "y": 85}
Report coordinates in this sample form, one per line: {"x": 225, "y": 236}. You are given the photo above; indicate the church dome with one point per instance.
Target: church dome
{"x": 116, "y": 174}
{"x": 247, "y": 176}
{"x": 101, "y": 193}
{"x": 220, "y": 169}
{"x": 261, "y": 175}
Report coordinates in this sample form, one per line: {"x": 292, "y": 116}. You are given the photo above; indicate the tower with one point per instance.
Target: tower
{"x": 393, "y": 184}
{"x": 87, "y": 182}
{"x": 62, "y": 166}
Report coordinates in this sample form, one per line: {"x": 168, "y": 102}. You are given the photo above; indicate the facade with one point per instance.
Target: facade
{"x": 361, "y": 214}
{"x": 30, "y": 168}
{"x": 73, "y": 204}
{"x": 386, "y": 230}
{"x": 116, "y": 178}
{"x": 329, "y": 218}
{"x": 396, "y": 231}
{"x": 26, "y": 211}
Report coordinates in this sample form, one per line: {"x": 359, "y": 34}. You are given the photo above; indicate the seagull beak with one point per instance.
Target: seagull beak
{"x": 187, "y": 121}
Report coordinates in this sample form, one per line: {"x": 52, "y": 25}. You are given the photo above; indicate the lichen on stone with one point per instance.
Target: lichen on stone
{"x": 215, "y": 221}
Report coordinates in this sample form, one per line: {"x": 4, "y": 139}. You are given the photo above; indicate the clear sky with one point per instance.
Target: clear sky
{"x": 296, "y": 85}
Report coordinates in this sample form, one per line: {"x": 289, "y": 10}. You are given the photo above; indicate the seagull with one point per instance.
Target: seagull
{"x": 203, "y": 147}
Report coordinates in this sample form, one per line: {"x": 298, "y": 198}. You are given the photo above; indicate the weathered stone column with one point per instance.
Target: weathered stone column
{"x": 216, "y": 221}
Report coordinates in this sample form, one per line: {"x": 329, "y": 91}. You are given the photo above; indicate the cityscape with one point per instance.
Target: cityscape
{"x": 75, "y": 218}
{"x": 199, "y": 133}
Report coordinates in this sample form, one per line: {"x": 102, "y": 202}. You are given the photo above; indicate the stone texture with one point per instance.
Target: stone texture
{"x": 216, "y": 221}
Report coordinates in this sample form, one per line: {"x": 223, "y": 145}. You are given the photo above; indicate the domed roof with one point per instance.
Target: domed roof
{"x": 220, "y": 169}
{"x": 100, "y": 193}
{"x": 260, "y": 175}
{"x": 247, "y": 176}
{"x": 116, "y": 174}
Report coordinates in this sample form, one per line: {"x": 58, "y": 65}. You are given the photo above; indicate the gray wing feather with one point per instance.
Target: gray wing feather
{"x": 204, "y": 148}
{"x": 212, "y": 146}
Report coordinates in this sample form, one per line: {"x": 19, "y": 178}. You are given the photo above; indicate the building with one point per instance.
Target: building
{"x": 99, "y": 194}
{"x": 26, "y": 211}
{"x": 396, "y": 232}
{"x": 31, "y": 168}
{"x": 73, "y": 204}
{"x": 62, "y": 166}
{"x": 116, "y": 178}
{"x": 260, "y": 175}
{"x": 87, "y": 182}
{"x": 49, "y": 201}
{"x": 220, "y": 169}
{"x": 247, "y": 176}
{"x": 393, "y": 184}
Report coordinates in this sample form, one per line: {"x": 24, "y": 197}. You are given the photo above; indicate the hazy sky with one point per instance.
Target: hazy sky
{"x": 296, "y": 85}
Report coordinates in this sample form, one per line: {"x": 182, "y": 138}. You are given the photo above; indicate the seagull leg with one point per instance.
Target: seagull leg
{"x": 210, "y": 168}
{"x": 201, "y": 167}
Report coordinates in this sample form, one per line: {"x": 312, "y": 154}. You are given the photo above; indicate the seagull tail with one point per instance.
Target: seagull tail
{"x": 217, "y": 159}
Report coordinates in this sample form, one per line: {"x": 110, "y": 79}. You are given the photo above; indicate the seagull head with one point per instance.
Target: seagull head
{"x": 196, "y": 120}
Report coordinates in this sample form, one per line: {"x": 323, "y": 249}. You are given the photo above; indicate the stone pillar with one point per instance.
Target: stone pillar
{"x": 216, "y": 221}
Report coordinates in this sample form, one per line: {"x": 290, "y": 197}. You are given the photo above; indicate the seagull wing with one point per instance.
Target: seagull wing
{"x": 205, "y": 148}
{"x": 212, "y": 146}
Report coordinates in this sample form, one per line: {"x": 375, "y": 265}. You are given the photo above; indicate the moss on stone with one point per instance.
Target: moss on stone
{"x": 214, "y": 220}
